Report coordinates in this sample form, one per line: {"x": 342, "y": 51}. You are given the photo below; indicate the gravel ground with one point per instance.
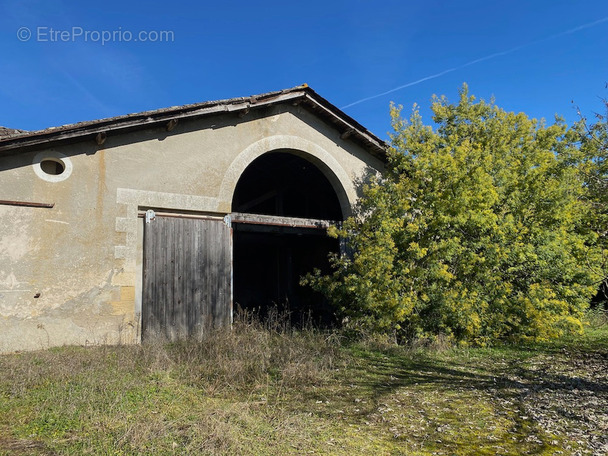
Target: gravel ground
{"x": 564, "y": 394}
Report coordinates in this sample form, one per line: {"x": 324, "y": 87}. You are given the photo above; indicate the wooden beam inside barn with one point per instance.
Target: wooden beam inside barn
{"x": 273, "y": 220}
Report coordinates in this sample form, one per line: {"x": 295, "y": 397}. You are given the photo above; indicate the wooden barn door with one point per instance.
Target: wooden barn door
{"x": 186, "y": 276}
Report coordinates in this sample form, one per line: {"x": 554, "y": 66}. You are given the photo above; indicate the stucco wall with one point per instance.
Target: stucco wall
{"x": 71, "y": 274}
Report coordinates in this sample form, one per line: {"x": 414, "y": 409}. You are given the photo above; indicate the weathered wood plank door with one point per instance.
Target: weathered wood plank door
{"x": 187, "y": 269}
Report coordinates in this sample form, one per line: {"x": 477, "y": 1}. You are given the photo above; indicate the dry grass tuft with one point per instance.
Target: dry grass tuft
{"x": 247, "y": 356}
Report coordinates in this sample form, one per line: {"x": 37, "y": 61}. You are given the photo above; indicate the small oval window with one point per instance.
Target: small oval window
{"x": 52, "y": 167}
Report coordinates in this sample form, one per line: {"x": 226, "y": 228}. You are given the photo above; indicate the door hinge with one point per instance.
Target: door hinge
{"x": 150, "y": 215}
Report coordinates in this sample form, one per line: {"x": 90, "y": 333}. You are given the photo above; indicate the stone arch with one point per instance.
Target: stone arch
{"x": 327, "y": 164}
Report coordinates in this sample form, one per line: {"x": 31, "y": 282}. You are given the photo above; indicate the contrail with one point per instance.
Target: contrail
{"x": 481, "y": 59}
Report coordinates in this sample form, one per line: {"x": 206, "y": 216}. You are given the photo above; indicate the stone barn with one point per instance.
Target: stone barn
{"x": 160, "y": 222}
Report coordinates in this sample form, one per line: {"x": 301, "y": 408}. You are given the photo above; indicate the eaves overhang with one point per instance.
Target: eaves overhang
{"x": 99, "y": 130}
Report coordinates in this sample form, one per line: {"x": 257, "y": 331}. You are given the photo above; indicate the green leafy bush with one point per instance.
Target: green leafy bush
{"x": 593, "y": 156}
{"x": 478, "y": 231}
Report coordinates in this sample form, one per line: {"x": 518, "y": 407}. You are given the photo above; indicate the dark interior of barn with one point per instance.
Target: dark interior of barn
{"x": 270, "y": 258}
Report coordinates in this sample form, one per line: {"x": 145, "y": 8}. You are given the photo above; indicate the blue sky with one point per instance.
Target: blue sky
{"x": 533, "y": 56}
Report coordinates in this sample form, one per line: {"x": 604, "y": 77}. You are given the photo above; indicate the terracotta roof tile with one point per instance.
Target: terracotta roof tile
{"x": 5, "y": 132}
{"x": 19, "y": 140}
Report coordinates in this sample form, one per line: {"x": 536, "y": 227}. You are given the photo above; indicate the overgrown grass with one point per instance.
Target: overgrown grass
{"x": 270, "y": 389}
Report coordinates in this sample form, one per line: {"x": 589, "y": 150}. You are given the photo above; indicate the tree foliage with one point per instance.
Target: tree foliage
{"x": 478, "y": 230}
{"x": 594, "y": 171}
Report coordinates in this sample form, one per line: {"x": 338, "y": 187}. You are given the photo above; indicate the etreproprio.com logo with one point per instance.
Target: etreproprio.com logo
{"x": 51, "y": 35}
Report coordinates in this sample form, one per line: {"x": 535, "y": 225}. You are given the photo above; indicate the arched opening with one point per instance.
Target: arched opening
{"x": 272, "y": 252}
